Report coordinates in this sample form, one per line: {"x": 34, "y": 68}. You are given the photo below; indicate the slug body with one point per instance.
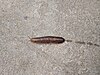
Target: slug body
{"x": 48, "y": 40}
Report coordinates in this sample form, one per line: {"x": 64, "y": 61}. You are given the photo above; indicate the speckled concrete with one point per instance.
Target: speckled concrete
{"x": 71, "y": 19}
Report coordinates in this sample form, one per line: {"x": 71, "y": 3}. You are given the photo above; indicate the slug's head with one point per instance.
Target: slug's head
{"x": 30, "y": 39}
{"x": 34, "y": 40}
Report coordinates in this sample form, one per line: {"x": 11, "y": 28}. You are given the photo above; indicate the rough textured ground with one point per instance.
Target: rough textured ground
{"x": 71, "y": 19}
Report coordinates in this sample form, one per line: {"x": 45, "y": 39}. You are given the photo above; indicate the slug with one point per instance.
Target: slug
{"x": 48, "y": 40}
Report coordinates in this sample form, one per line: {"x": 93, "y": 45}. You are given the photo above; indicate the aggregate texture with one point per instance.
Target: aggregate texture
{"x": 72, "y": 19}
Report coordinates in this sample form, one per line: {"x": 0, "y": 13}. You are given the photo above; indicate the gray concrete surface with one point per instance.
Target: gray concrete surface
{"x": 71, "y": 19}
